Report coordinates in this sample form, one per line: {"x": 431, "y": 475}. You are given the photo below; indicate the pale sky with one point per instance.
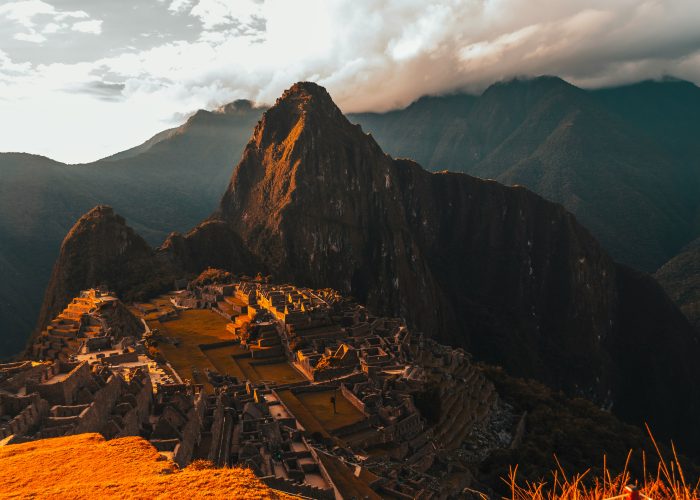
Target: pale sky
{"x": 82, "y": 79}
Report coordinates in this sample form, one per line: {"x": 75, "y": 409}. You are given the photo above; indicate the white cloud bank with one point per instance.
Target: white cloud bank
{"x": 370, "y": 54}
{"x": 36, "y": 18}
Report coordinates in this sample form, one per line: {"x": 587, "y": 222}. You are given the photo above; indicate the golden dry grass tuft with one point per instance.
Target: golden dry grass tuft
{"x": 87, "y": 466}
{"x": 667, "y": 481}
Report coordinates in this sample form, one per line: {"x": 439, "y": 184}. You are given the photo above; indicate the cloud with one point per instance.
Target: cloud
{"x": 36, "y": 18}
{"x": 30, "y": 37}
{"x": 370, "y": 54}
{"x": 105, "y": 91}
{"x": 215, "y": 13}
{"x": 94, "y": 27}
{"x": 180, "y": 5}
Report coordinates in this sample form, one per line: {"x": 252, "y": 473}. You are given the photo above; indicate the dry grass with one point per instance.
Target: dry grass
{"x": 86, "y": 466}
{"x": 666, "y": 482}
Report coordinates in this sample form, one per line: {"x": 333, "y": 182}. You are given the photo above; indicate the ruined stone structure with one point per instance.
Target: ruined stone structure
{"x": 178, "y": 416}
{"x": 101, "y": 380}
{"x": 376, "y": 364}
{"x": 94, "y": 318}
{"x": 62, "y": 398}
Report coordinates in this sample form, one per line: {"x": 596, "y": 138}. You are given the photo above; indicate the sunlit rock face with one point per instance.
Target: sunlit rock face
{"x": 498, "y": 270}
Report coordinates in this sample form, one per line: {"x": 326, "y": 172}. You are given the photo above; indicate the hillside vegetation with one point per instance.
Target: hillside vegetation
{"x": 87, "y": 466}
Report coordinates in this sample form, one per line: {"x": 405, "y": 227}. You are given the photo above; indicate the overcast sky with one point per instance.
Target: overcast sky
{"x": 82, "y": 79}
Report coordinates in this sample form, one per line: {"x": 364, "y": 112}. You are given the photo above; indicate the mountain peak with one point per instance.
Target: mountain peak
{"x": 305, "y": 90}
{"x": 302, "y": 138}
{"x": 99, "y": 216}
{"x": 236, "y": 107}
{"x": 100, "y": 249}
{"x": 531, "y": 85}
{"x": 304, "y": 99}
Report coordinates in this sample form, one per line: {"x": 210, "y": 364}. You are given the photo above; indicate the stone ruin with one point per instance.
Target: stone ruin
{"x": 93, "y": 318}
{"x": 377, "y": 364}
{"x": 42, "y": 400}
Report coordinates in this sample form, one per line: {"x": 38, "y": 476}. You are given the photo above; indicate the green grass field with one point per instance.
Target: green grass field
{"x": 281, "y": 372}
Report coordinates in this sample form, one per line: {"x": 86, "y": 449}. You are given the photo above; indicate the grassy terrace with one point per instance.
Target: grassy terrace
{"x": 197, "y": 327}
{"x": 246, "y": 368}
{"x": 282, "y": 373}
{"x": 315, "y": 411}
{"x": 192, "y": 328}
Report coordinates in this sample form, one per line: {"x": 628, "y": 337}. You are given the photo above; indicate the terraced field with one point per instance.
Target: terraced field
{"x": 193, "y": 328}
{"x": 200, "y": 327}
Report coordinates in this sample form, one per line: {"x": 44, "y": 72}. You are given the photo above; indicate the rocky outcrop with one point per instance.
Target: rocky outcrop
{"x": 101, "y": 250}
{"x": 511, "y": 277}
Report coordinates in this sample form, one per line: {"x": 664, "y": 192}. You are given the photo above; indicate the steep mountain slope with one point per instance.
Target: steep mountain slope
{"x": 511, "y": 277}
{"x": 101, "y": 249}
{"x": 167, "y": 184}
{"x": 567, "y": 145}
{"x": 680, "y": 277}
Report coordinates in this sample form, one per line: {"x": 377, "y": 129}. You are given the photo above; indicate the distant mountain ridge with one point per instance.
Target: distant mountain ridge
{"x": 623, "y": 160}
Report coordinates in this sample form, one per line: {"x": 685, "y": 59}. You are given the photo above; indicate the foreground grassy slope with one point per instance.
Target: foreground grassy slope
{"x": 87, "y": 466}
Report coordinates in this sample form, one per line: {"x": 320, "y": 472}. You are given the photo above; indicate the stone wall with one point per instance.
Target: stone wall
{"x": 304, "y": 490}
{"x": 14, "y": 376}
{"x": 26, "y": 412}
{"x": 216, "y": 429}
{"x": 191, "y": 432}
{"x": 94, "y": 417}
{"x": 139, "y": 392}
{"x": 63, "y": 392}
{"x": 354, "y": 400}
